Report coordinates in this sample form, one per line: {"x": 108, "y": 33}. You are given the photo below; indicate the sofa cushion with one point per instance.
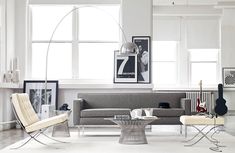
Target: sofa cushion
{"x": 104, "y": 112}
{"x": 168, "y": 112}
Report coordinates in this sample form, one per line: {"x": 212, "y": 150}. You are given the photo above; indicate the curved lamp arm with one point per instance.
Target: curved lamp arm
{"x": 129, "y": 46}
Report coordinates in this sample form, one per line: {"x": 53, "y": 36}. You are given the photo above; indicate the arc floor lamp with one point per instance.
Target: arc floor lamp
{"x": 126, "y": 47}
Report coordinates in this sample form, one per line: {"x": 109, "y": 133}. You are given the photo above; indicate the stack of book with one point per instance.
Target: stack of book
{"x": 122, "y": 117}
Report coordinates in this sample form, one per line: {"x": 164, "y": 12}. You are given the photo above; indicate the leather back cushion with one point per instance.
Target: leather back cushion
{"x": 24, "y": 109}
{"x": 130, "y": 100}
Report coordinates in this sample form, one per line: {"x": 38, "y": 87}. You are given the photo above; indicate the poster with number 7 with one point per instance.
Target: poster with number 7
{"x": 125, "y": 68}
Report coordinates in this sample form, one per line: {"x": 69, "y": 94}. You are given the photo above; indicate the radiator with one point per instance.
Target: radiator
{"x": 208, "y": 97}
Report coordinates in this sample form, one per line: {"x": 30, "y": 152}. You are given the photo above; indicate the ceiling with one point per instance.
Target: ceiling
{"x": 219, "y": 3}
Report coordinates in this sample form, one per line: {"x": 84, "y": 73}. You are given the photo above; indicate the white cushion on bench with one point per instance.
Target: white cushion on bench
{"x": 201, "y": 120}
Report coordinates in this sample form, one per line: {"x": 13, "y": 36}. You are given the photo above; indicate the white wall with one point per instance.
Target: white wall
{"x": 7, "y": 35}
{"x": 137, "y": 18}
{"x": 21, "y": 35}
{"x": 6, "y": 113}
{"x": 7, "y": 54}
{"x": 228, "y": 49}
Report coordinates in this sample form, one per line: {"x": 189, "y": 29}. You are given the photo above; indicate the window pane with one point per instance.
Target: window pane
{"x": 45, "y": 19}
{"x": 203, "y": 71}
{"x": 96, "y": 60}
{"x": 164, "y": 50}
{"x": 164, "y": 73}
{"x": 101, "y": 23}
{"x": 203, "y": 54}
{"x": 59, "y": 60}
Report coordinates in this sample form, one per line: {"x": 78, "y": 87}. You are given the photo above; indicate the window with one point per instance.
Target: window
{"x": 203, "y": 66}
{"x": 83, "y": 45}
{"x": 185, "y": 51}
{"x": 164, "y": 60}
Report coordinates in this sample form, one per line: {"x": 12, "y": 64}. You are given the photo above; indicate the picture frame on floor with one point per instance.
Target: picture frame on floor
{"x": 143, "y": 58}
{"x": 36, "y": 91}
{"x": 228, "y": 77}
{"x": 125, "y": 68}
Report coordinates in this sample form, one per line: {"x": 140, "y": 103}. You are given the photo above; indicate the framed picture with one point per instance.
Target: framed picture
{"x": 228, "y": 77}
{"x": 125, "y": 67}
{"x": 143, "y": 58}
{"x": 36, "y": 91}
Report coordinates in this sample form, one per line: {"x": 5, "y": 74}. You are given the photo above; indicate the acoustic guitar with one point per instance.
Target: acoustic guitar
{"x": 220, "y": 107}
{"x": 201, "y": 106}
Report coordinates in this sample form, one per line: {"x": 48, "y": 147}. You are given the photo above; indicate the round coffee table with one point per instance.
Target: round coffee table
{"x": 132, "y": 131}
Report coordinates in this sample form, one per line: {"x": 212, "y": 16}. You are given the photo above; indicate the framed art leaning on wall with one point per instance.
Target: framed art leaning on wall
{"x": 228, "y": 77}
{"x": 143, "y": 58}
{"x": 125, "y": 68}
{"x": 36, "y": 92}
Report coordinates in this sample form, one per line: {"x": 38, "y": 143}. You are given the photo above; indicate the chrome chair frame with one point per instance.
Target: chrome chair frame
{"x": 33, "y": 135}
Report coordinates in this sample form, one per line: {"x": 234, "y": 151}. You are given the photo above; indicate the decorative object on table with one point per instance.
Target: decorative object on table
{"x": 148, "y": 111}
{"x": 143, "y": 62}
{"x": 163, "y": 105}
{"x": 15, "y": 71}
{"x": 220, "y": 107}
{"x": 45, "y": 113}
{"x": 228, "y": 77}
{"x": 13, "y": 74}
{"x": 7, "y": 77}
{"x": 64, "y": 107}
{"x": 122, "y": 117}
{"x": 36, "y": 91}
{"x": 201, "y": 105}
{"x": 136, "y": 113}
{"x": 125, "y": 67}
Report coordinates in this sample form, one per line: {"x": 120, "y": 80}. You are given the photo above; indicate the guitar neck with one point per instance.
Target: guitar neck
{"x": 201, "y": 90}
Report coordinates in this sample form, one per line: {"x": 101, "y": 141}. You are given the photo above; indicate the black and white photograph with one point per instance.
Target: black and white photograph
{"x": 228, "y": 77}
{"x": 143, "y": 58}
{"x": 125, "y": 68}
{"x": 37, "y": 96}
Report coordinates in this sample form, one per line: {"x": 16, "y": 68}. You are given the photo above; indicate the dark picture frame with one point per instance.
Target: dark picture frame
{"x": 36, "y": 91}
{"x": 125, "y": 68}
{"x": 144, "y": 61}
{"x": 228, "y": 75}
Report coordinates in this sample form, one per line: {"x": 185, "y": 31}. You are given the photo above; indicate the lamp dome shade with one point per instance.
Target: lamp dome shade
{"x": 129, "y": 47}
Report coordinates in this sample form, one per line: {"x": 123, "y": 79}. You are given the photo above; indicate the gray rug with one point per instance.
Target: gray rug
{"x": 108, "y": 143}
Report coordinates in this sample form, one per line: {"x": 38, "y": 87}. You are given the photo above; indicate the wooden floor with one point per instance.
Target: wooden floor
{"x": 8, "y": 137}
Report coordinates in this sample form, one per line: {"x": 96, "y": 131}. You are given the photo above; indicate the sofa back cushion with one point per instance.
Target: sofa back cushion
{"x": 130, "y": 100}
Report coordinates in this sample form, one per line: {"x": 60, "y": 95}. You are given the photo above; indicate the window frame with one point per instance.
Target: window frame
{"x": 203, "y": 61}
{"x": 176, "y": 63}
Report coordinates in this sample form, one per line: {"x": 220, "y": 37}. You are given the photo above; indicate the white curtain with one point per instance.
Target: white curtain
{"x": 166, "y": 28}
{"x": 203, "y": 32}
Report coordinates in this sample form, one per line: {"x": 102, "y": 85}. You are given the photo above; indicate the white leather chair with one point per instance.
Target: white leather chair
{"x": 29, "y": 121}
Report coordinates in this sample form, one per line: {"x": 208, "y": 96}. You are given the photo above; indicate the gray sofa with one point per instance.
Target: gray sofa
{"x": 92, "y": 108}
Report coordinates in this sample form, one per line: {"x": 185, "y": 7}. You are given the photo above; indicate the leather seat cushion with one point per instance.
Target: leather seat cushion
{"x": 104, "y": 112}
{"x": 172, "y": 112}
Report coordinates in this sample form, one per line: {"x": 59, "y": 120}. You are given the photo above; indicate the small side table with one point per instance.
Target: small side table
{"x": 61, "y": 130}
